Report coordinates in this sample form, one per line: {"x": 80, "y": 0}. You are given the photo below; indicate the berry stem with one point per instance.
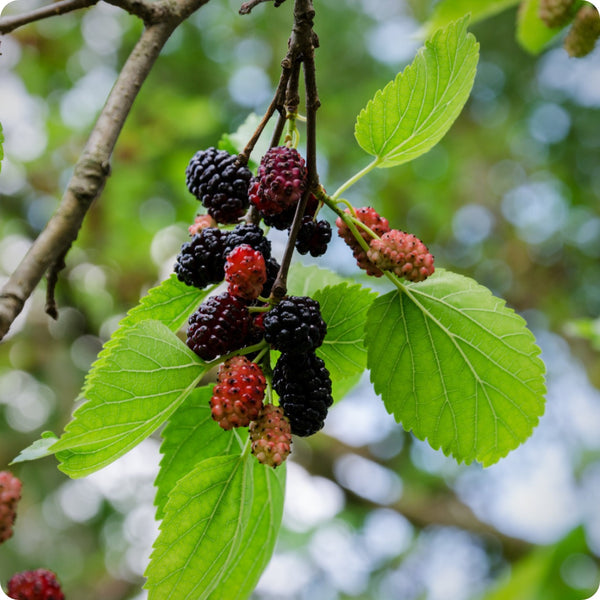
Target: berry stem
{"x": 349, "y": 220}
{"x": 276, "y": 104}
{"x": 303, "y": 42}
{"x": 356, "y": 177}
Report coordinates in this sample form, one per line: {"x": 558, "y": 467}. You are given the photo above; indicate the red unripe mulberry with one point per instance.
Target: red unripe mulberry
{"x": 245, "y": 272}
{"x": 239, "y": 392}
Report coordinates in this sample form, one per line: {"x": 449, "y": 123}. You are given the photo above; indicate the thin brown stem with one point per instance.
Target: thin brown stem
{"x": 302, "y": 40}
{"x": 276, "y": 104}
{"x": 8, "y": 24}
{"x": 278, "y": 131}
{"x": 247, "y": 7}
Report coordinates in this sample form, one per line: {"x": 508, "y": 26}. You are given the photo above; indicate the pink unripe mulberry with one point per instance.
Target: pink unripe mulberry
{"x": 10, "y": 494}
{"x": 402, "y": 253}
{"x": 271, "y": 436}
{"x": 376, "y": 223}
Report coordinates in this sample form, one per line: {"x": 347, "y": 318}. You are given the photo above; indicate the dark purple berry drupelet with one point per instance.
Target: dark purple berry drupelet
{"x": 220, "y": 325}
{"x": 248, "y": 233}
{"x": 201, "y": 261}
{"x": 40, "y": 584}
{"x": 280, "y": 182}
{"x": 272, "y": 271}
{"x": 304, "y": 387}
{"x": 220, "y": 182}
{"x": 295, "y": 325}
{"x": 313, "y": 237}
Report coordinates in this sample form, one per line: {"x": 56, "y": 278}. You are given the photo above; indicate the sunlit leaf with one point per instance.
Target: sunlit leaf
{"x": 131, "y": 391}
{"x": 203, "y": 528}
{"x": 244, "y": 570}
{"x": 190, "y": 437}
{"x": 414, "y": 111}
{"x": 306, "y": 280}
{"x": 39, "y": 449}
{"x": 344, "y": 309}
{"x": 447, "y": 11}
{"x": 532, "y": 33}
{"x": 456, "y": 367}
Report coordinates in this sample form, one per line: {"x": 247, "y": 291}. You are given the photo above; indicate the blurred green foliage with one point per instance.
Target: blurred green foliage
{"x": 538, "y": 247}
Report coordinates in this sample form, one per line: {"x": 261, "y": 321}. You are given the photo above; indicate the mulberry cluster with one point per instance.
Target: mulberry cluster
{"x": 217, "y": 179}
{"x": 40, "y": 584}
{"x": 242, "y": 317}
{"x": 10, "y": 494}
{"x": 304, "y": 389}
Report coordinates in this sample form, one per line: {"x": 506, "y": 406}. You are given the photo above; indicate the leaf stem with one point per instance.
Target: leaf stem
{"x": 356, "y": 177}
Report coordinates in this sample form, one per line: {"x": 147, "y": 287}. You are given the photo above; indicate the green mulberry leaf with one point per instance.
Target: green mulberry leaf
{"x": 260, "y": 535}
{"x": 447, "y": 11}
{"x": 190, "y": 437}
{"x": 532, "y": 33}
{"x": 203, "y": 528}
{"x": 415, "y": 110}
{"x": 131, "y": 391}
{"x": 344, "y": 309}
{"x": 456, "y": 367}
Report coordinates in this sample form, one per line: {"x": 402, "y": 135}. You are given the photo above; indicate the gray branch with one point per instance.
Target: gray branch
{"x": 93, "y": 166}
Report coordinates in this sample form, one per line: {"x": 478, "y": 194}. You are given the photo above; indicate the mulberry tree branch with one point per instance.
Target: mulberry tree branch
{"x": 92, "y": 168}
{"x": 149, "y": 12}
{"x": 8, "y": 24}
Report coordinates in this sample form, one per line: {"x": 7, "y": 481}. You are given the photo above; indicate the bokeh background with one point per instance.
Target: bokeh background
{"x": 509, "y": 197}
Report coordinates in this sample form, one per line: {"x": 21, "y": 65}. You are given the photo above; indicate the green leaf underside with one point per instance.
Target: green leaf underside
{"x": 260, "y": 535}
{"x": 344, "y": 309}
{"x": 200, "y": 545}
{"x": 235, "y": 142}
{"x": 190, "y": 437}
{"x": 342, "y": 387}
{"x": 456, "y": 367}
{"x": 131, "y": 391}
{"x": 415, "y": 110}
{"x": 39, "y": 449}
{"x": 532, "y": 34}
{"x": 171, "y": 303}
{"x": 307, "y": 280}
{"x": 451, "y": 10}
